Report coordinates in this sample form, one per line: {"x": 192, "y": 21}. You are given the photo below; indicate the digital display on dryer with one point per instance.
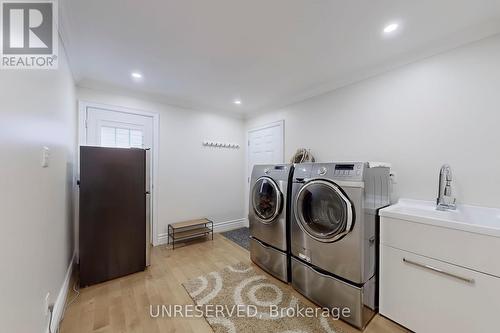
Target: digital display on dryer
{"x": 344, "y": 167}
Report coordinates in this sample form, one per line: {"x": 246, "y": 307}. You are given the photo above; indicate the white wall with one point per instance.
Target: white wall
{"x": 443, "y": 109}
{"x": 37, "y": 108}
{"x": 193, "y": 181}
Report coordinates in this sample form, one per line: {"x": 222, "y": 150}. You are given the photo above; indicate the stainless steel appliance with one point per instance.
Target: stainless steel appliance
{"x": 334, "y": 235}
{"x": 114, "y": 226}
{"x": 268, "y": 218}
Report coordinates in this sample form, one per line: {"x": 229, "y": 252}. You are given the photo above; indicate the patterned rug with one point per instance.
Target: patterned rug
{"x": 250, "y": 302}
{"x": 240, "y": 236}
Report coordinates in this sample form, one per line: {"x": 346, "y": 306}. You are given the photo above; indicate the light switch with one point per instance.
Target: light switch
{"x": 45, "y": 157}
{"x": 394, "y": 177}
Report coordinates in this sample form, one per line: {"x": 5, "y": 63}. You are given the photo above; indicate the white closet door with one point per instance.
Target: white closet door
{"x": 265, "y": 145}
{"x": 109, "y": 128}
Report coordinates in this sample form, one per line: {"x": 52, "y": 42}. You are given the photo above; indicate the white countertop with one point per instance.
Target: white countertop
{"x": 474, "y": 219}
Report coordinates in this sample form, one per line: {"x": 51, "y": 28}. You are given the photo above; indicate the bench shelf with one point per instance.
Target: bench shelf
{"x": 189, "y": 229}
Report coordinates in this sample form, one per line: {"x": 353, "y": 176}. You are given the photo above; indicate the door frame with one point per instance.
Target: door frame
{"x": 82, "y": 140}
{"x": 248, "y": 173}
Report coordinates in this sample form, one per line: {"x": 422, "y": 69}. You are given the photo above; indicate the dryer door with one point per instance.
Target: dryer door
{"x": 323, "y": 211}
{"x": 266, "y": 199}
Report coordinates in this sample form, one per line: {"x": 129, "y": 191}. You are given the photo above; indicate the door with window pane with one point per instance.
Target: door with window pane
{"x": 109, "y": 128}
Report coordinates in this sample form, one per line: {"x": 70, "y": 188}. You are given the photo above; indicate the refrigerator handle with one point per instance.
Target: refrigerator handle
{"x": 148, "y": 207}
{"x": 148, "y": 170}
{"x": 148, "y": 230}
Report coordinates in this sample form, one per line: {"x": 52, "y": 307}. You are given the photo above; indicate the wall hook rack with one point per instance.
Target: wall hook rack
{"x": 221, "y": 144}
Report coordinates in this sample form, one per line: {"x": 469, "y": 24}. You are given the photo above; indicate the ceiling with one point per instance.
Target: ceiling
{"x": 268, "y": 53}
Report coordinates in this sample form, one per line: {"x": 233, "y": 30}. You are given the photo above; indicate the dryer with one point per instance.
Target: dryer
{"x": 268, "y": 218}
{"x": 334, "y": 237}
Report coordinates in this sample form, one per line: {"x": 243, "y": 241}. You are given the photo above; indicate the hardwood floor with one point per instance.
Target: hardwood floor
{"x": 122, "y": 305}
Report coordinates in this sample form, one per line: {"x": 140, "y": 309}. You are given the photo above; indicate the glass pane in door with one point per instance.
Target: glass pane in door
{"x": 136, "y": 139}
{"x": 108, "y": 136}
{"x": 121, "y": 137}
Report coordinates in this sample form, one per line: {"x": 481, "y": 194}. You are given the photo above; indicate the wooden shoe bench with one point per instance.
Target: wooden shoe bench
{"x": 184, "y": 230}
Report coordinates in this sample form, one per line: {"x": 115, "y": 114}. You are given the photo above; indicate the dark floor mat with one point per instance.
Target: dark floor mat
{"x": 239, "y": 236}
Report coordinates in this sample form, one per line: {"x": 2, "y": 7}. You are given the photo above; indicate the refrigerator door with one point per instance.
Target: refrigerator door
{"x": 112, "y": 213}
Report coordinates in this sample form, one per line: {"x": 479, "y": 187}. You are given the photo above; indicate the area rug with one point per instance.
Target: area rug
{"x": 240, "y": 236}
{"x": 248, "y": 301}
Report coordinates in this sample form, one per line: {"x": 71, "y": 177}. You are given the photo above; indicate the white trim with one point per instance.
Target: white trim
{"x": 82, "y": 139}
{"x": 162, "y": 238}
{"x": 218, "y": 227}
{"x": 229, "y": 225}
{"x": 60, "y": 303}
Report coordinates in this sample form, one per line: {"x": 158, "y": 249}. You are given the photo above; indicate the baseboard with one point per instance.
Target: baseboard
{"x": 218, "y": 227}
{"x": 229, "y": 225}
{"x": 162, "y": 239}
{"x": 58, "y": 311}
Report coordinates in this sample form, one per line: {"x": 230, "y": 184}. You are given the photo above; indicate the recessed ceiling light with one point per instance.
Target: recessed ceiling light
{"x": 391, "y": 28}
{"x": 136, "y": 75}
{"x": 237, "y": 102}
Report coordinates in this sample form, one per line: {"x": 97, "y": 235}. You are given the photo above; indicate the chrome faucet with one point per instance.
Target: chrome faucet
{"x": 445, "y": 200}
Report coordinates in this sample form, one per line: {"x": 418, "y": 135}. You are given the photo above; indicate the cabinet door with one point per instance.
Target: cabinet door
{"x": 427, "y": 295}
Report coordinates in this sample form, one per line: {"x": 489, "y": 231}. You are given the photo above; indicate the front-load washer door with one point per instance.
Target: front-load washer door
{"x": 267, "y": 213}
{"x": 323, "y": 211}
{"x": 267, "y": 200}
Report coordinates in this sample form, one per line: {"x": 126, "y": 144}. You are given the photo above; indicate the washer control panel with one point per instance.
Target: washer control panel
{"x": 349, "y": 171}
{"x": 277, "y": 172}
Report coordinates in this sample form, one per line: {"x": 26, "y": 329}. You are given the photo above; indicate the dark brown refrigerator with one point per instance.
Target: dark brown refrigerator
{"x": 114, "y": 213}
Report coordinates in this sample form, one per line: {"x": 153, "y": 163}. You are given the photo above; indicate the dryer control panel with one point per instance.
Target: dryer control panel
{"x": 349, "y": 171}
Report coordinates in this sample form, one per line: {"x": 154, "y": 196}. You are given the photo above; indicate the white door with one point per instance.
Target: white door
{"x": 108, "y": 128}
{"x": 265, "y": 145}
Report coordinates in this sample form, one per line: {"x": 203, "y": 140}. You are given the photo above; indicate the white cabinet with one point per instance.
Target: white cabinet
{"x": 437, "y": 278}
{"x": 425, "y": 300}
{"x": 471, "y": 250}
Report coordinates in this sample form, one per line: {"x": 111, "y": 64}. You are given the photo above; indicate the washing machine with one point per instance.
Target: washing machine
{"x": 334, "y": 242}
{"x": 268, "y": 218}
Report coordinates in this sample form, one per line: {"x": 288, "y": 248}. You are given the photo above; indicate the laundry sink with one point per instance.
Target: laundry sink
{"x": 439, "y": 270}
{"x": 468, "y": 236}
{"x": 475, "y": 219}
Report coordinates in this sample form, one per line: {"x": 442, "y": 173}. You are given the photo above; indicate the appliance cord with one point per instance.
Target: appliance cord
{"x": 77, "y": 293}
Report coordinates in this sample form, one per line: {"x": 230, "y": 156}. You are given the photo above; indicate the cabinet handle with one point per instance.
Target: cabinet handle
{"x": 437, "y": 270}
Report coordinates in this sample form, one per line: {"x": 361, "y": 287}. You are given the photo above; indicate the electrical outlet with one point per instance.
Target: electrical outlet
{"x": 47, "y": 304}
